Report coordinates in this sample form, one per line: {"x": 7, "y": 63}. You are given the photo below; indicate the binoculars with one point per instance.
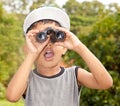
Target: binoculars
{"x": 55, "y": 35}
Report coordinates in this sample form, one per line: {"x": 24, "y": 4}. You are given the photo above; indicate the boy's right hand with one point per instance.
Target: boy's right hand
{"x": 34, "y": 47}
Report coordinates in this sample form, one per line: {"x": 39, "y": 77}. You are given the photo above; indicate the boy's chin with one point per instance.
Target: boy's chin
{"x": 51, "y": 64}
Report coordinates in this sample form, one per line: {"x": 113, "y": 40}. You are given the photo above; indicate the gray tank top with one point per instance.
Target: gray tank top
{"x": 58, "y": 90}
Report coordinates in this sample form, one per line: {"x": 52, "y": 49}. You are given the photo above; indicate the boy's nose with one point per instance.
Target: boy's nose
{"x": 49, "y": 44}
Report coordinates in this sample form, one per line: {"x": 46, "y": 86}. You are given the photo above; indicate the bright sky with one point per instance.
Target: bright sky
{"x": 105, "y": 2}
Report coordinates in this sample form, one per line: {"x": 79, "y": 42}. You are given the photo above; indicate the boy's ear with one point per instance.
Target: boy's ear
{"x": 64, "y": 51}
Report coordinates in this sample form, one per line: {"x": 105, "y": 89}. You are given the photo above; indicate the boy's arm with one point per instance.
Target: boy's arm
{"x": 18, "y": 83}
{"x": 99, "y": 78}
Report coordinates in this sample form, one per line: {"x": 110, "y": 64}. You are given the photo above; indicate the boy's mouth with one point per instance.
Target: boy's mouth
{"x": 49, "y": 54}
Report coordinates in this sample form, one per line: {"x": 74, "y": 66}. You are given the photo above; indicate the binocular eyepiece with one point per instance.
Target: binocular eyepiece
{"x": 55, "y": 35}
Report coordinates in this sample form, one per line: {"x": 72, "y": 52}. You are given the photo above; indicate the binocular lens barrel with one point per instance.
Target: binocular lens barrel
{"x": 60, "y": 36}
{"x": 55, "y": 35}
{"x": 41, "y": 37}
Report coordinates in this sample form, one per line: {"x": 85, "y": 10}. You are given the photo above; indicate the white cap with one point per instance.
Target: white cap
{"x": 52, "y": 13}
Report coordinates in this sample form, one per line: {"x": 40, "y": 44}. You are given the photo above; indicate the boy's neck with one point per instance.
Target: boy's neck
{"x": 49, "y": 71}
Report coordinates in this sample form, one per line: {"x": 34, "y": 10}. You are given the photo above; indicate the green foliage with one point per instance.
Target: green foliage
{"x": 95, "y": 25}
{"x": 6, "y": 103}
{"x": 85, "y": 8}
{"x": 101, "y": 34}
{"x": 104, "y": 41}
{"x": 10, "y": 41}
{"x": 39, "y": 3}
{"x": 2, "y": 91}
{"x": 110, "y": 97}
{"x": 1, "y": 11}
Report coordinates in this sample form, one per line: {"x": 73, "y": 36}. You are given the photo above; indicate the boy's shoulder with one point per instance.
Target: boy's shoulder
{"x": 69, "y": 68}
{"x": 72, "y": 70}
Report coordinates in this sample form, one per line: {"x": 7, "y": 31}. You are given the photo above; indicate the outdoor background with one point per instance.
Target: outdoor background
{"x": 96, "y": 25}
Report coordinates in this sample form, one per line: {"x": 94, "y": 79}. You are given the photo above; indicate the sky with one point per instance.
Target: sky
{"x": 105, "y": 2}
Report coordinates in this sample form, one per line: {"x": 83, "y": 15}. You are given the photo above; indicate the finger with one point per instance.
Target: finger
{"x": 40, "y": 46}
{"x": 31, "y": 45}
{"x": 61, "y": 29}
{"x": 59, "y": 44}
{"x": 67, "y": 32}
{"x": 33, "y": 31}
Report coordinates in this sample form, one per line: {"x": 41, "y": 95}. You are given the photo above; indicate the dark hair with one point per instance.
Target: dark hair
{"x": 44, "y": 21}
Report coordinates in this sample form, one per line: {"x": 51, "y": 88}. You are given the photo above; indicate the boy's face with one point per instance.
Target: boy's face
{"x": 51, "y": 54}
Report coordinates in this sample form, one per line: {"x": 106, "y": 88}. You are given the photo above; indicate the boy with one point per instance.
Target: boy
{"x": 47, "y": 39}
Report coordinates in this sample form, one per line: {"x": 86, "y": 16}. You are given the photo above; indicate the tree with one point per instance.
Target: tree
{"x": 94, "y": 24}
{"x": 99, "y": 31}
{"x": 24, "y": 6}
{"x": 39, "y": 3}
{"x": 17, "y": 6}
{"x": 10, "y": 41}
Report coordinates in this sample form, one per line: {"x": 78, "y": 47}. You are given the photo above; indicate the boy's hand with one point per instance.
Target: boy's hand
{"x": 33, "y": 46}
{"x": 71, "y": 41}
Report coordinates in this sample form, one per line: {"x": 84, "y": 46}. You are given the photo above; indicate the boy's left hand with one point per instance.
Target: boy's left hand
{"x": 71, "y": 40}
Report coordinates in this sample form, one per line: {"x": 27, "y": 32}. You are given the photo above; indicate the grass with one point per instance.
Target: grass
{"x": 6, "y": 103}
